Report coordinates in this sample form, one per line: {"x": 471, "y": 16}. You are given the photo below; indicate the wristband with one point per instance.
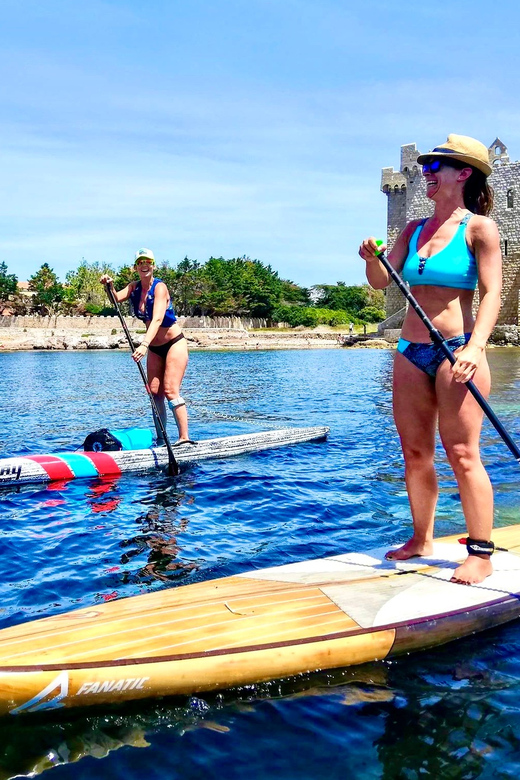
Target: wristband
{"x": 145, "y": 344}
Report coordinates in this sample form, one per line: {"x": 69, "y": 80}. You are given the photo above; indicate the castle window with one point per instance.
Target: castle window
{"x": 510, "y": 199}
{"x": 505, "y": 247}
{"x": 498, "y": 150}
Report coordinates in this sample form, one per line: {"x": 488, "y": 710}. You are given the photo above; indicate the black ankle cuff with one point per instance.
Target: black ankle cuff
{"x": 479, "y": 547}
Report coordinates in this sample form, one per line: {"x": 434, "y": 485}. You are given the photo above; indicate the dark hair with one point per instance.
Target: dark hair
{"x": 478, "y": 195}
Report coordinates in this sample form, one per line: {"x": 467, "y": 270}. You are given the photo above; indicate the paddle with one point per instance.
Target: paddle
{"x": 438, "y": 338}
{"x": 173, "y": 466}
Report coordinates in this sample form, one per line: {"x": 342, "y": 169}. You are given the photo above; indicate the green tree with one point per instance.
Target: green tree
{"x": 8, "y": 283}
{"x": 49, "y": 292}
{"x": 375, "y": 297}
{"x": 293, "y": 294}
{"x": 240, "y": 286}
{"x": 341, "y": 296}
{"x": 84, "y": 291}
{"x": 185, "y": 283}
{"x": 372, "y": 314}
{"x": 124, "y": 276}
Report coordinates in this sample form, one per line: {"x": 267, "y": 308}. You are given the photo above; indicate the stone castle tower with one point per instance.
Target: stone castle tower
{"x": 406, "y": 192}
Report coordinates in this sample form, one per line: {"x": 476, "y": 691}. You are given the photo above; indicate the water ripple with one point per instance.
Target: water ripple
{"x": 449, "y": 713}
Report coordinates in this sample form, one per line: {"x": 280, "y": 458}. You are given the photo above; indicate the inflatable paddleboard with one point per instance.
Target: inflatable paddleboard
{"x": 260, "y": 625}
{"x": 26, "y": 469}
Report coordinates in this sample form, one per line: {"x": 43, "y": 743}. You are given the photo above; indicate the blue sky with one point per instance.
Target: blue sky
{"x": 235, "y": 127}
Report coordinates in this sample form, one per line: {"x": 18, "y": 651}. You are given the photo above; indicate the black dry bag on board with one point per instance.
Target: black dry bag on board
{"x": 101, "y": 441}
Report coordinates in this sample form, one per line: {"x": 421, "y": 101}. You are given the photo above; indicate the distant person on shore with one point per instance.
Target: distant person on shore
{"x": 351, "y": 329}
{"x": 164, "y": 345}
{"x": 443, "y": 259}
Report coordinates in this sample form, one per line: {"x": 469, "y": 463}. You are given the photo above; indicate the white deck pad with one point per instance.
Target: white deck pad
{"x": 365, "y": 587}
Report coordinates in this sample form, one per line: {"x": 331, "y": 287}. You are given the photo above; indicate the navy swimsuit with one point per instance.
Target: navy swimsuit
{"x": 147, "y": 315}
{"x": 169, "y": 316}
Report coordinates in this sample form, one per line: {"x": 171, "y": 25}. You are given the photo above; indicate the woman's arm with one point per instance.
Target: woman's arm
{"x": 484, "y": 241}
{"x": 122, "y": 295}
{"x": 377, "y": 275}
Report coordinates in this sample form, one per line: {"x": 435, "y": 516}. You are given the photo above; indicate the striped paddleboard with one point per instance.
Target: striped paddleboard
{"x": 261, "y": 625}
{"x": 26, "y": 469}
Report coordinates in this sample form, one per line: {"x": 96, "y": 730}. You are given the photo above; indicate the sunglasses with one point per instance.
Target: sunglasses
{"x": 143, "y": 261}
{"x": 435, "y": 165}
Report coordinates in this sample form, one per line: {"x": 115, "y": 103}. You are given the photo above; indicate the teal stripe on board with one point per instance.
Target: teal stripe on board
{"x": 80, "y": 464}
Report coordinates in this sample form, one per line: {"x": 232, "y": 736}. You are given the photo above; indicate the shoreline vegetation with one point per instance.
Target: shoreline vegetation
{"x": 221, "y": 304}
{"x": 239, "y": 287}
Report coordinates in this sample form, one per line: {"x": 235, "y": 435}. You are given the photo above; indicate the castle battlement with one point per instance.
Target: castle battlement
{"x": 391, "y": 179}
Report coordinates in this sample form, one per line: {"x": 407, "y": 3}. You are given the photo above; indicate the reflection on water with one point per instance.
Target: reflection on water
{"x": 159, "y": 529}
{"x": 442, "y": 715}
{"x": 448, "y": 713}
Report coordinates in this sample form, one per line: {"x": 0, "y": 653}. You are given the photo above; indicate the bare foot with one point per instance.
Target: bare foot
{"x": 411, "y": 549}
{"x": 474, "y": 569}
{"x": 183, "y": 441}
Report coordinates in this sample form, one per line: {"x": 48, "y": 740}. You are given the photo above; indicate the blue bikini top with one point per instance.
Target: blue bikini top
{"x": 454, "y": 266}
{"x": 135, "y": 298}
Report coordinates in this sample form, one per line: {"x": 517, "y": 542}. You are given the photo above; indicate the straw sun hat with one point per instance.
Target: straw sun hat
{"x": 461, "y": 147}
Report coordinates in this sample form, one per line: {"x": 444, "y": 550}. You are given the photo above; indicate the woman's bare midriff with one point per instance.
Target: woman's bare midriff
{"x": 449, "y": 309}
{"x": 164, "y": 335}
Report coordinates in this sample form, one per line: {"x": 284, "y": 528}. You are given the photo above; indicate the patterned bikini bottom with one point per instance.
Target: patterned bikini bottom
{"x": 428, "y": 357}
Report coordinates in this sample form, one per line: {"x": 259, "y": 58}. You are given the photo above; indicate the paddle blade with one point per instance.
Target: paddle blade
{"x": 173, "y": 466}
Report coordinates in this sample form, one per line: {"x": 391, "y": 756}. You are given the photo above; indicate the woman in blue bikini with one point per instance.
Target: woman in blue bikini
{"x": 443, "y": 259}
{"x": 164, "y": 345}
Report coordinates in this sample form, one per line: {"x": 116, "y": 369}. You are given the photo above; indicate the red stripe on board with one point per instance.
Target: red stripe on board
{"x": 104, "y": 463}
{"x": 56, "y": 468}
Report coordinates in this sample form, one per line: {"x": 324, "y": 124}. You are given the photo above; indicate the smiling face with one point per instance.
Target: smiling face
{"x": 144, "y": 266}
{"x": 443, "y": 179}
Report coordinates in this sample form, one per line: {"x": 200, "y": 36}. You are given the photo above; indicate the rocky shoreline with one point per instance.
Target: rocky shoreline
{"x": 23, "y": 339}
{"x": 100, "y": 333}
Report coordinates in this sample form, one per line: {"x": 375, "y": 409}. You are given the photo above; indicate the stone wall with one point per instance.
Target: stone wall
{"x": 406, "y": 193}
{"x": 104, "y": 324}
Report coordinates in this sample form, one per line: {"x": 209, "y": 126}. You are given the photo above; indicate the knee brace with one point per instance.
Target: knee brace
{"x": 175, "y": 403}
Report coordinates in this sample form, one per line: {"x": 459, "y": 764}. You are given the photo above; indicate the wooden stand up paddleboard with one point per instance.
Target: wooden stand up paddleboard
{"x": 261, "y": 625}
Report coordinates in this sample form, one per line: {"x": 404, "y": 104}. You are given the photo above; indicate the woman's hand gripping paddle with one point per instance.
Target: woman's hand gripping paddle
{"x": 438, "y": 339}
{"x": 173, "y": 466}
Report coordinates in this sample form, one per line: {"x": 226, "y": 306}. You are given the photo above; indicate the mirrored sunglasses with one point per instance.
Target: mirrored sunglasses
{"x": 433, "y": 167}
{"x": 144, "y": 261}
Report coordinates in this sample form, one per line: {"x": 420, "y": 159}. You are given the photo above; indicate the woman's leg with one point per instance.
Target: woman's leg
{"x": 176, "y": 362}
{"x": 460, "y": 422}
{"x": 415, "y": 414}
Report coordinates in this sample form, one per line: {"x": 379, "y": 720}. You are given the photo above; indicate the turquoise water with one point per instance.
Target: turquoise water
{"x": 452, "y": 713}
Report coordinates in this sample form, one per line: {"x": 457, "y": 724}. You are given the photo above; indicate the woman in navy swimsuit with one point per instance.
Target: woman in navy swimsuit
{"x": 165, "y": 345}
{"x": 444, "y": 258}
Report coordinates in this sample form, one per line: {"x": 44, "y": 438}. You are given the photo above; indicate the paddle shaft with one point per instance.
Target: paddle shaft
{"x": 439, "y": 339}
{"x": 173, "y": 466}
